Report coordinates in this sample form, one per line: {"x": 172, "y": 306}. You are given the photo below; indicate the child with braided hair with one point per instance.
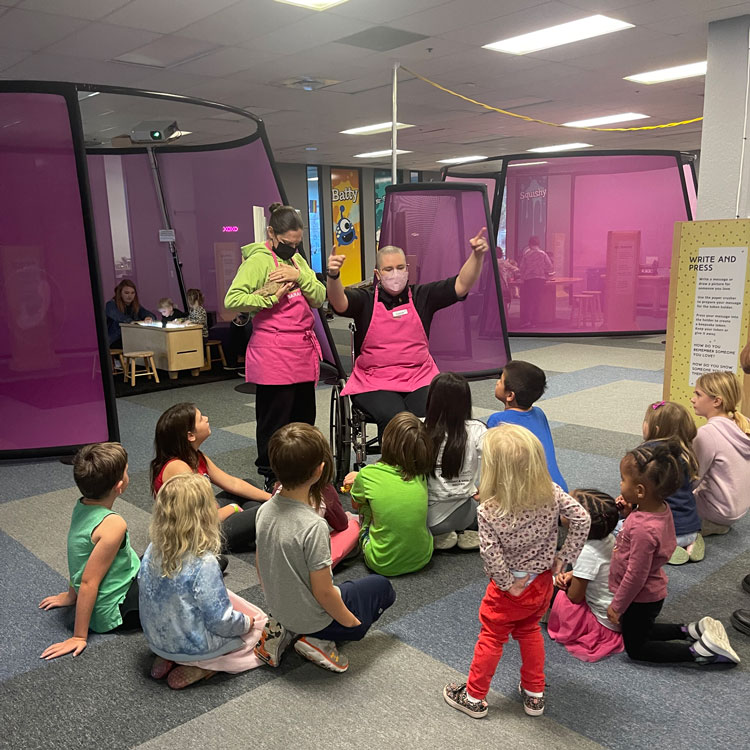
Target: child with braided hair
{"x": 578, "y": 619}
{"x": 650, "y": 474}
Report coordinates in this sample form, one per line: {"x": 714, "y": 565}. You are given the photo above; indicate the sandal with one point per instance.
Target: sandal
{"x": 182, "y": 676}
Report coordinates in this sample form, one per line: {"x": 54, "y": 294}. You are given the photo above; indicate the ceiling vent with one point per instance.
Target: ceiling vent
{"x": 381, "y": 38}
{"x": 305, "y": 83}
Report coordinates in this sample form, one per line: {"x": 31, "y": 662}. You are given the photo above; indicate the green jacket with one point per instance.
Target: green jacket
{"x": 253, "y": 274}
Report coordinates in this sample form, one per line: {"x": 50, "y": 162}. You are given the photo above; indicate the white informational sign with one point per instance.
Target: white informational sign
{"x": 259, "y": 224}
{"x": 717, "y": 320}
{"x": 166, "y": 235}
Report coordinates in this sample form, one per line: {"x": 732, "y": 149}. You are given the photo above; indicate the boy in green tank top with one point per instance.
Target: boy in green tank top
{"x": 101, "y": 563}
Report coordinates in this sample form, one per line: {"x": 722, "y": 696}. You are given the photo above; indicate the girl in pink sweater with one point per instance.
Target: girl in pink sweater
{"x": 650, "y": 474}
{"x": 723, "y": 450}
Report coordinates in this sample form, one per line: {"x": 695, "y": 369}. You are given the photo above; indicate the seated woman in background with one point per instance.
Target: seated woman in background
{"x": 124, "y": 308}
{"x": 169, "y": 312}
{"x": 197, "y": 312}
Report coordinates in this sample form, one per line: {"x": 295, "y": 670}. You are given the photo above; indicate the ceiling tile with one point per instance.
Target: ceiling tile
{"x": 61, "y": 68}
{"x": 10, "y": 57}
{"x": 383, "y": 11}
{"x": 90, "y": 9}
{"x": 166, "y": 51}
{"x": 225, "y": 61}
{"x": 165, "y": 16}
{"x": 25, "y": 30}
{"x": 101, "y": 41}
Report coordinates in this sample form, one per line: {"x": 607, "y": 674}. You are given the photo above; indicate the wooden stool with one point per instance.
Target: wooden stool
{"x": 148, "y": 361}
{"x": 596, "y": 296}
{"x": 209, "y": 361}
{"x": 116, "y": 355}
{"x": 582, "y": 310}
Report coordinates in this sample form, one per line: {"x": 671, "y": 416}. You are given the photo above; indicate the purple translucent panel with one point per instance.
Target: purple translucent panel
{"x": 606, "y": 224}
{"x": 325, "y": 346}
{"x": 51, "y": 391}
{"x": 489, "y": 182}
{"x": 434, "y": 227}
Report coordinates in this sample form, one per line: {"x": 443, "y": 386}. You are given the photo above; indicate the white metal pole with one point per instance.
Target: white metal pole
{"x": 394, "y": 129}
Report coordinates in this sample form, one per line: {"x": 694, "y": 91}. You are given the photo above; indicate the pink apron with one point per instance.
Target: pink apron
{"x": 283, "y": 348}
{"x": 395, "y": 355}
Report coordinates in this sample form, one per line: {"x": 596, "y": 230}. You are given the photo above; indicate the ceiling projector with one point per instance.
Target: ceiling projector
{"x": 153, "y": 131}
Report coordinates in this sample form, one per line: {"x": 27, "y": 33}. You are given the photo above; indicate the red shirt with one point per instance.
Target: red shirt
{"x": 202, "y": 469}
{"x": 643, "y": 547}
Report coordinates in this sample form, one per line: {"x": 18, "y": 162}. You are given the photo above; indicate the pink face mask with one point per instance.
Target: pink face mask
{"x": 394, "y": 281}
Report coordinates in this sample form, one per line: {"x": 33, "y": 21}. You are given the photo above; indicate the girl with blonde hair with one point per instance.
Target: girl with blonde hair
{"x": 188, "y": 616}
{"x": 518, "y": 515}
{"x": 723, "y": 450}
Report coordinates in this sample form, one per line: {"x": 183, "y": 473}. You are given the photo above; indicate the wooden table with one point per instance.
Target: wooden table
{"x": 175, "y": 349}
{"x": 548, "y": 303}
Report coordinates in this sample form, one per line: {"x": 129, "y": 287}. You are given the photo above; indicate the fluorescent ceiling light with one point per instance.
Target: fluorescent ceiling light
{"x": 313, "y": 4}
{"x": 563, "y": 33}
{"x": 376, "y": 154}
{"x": 606, "y": 120}
{"x": 526, "y": 163}
{"x": 381, "y": 127}
{"x": 311, "y": 148}
{"x": 560, "y": 147}
{"x": 670, "y": 74}
{"x": 461, "y": 159}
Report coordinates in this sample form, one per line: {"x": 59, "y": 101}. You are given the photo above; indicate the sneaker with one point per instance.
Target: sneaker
{"x": 740, "y": 620}
{"x": 709, "y": 528}
{"x": 323, "y": 653}
{"x": 274, "y": 640}
{"x": 696, "y": 629}
{"x": 455, "y": 695}
{"x": 445, "y": 541}
{"x": 698, "y": 552}
{"x": 679, "y": 557}
{"x": 182, "y": 676}
{"x": 532, "y": 704}
{"x": 716, "y": 642}
{"x": 468, "y": 539}
{"x": 746, "y": 583}
{"x": 269, "y": 483}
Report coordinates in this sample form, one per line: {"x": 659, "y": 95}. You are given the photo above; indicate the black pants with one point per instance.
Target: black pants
{"x": 129, "y": 610}
{"x": 238, "y": 530}
{"x": 276, "y": 406}
{"x": 531, "y": 300}
{"x": 647, "y": 641}
{"x": 383, "y": 406}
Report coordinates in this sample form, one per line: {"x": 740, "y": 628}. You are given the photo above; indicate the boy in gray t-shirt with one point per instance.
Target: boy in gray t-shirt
{"x": 293, "y": 557}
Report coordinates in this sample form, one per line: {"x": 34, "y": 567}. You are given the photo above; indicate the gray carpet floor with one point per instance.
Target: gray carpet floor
{"x": 391, "y": 695}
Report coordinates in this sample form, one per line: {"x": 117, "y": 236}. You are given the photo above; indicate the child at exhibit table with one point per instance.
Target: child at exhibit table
{"x": 520, "y": 508}
{"x": 124, "y": 307}
{"x": 169, "y": 312}
{"x": 723, "y": 450}
{"x": 180, "y": 433}
{"x": 189, "y": 617}
{"x": 101, "y": 563}
{"x": 534, "y": 270}
{"x": 197, "y": 312}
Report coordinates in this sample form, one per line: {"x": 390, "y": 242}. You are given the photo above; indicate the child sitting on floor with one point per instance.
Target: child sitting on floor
{"x": 197, "y": 313}
{"x": 520, "y": 508}
{"x": 650, "y": 474}
{"x": 293, "y": 559}
{"x": 391, "y": 496}
{"x": 168, "y": 311}
{"x": 189, "y": 618}
{"x": 102, "y": 564}
{"x": 668, "y": 420}
{"x": 578, "y": 619}
{"x": 520, "y": 385}
{"x": 723, "y": 450}
{"x": 457, "y": 450}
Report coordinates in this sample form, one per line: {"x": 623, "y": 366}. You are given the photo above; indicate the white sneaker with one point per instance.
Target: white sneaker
{"x": 468, "y": 539}
{"x": 323, "y": 653}
{"x": 445, "y": 541}
{"x": 716, "y": 640}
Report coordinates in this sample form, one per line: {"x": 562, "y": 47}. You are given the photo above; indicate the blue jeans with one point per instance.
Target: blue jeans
{"x": 366, "y": 598}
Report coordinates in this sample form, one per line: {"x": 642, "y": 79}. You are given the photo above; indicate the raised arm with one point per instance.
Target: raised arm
{"x": 471, "y": 270}
{"x": 334, "y": 287}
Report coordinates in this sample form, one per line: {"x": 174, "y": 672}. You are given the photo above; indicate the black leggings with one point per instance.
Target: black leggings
{"x": 383, "y": 406}
{"x": 645, "y": 640}
{"x": 238, "y": 529}
{"x": 129, "y": 610}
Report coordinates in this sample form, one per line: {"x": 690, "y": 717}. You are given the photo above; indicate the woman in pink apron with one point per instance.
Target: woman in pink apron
{"x": 277, "y": 287}
{"x": 394, "y": 367}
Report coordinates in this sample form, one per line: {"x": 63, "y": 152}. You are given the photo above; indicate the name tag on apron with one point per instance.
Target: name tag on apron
{"x": 399, "y": 313}
{"x": 295, "y": 293}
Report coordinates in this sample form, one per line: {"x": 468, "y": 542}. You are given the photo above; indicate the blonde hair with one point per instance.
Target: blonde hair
{"x": 515, "y": 477}
{"x": 668, "y": 419}
{"x": 726, "y": 386}
{"x": 166, "y": 302}
{"x": 185, "y": 521}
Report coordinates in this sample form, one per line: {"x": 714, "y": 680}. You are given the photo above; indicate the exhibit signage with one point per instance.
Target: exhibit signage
{"x": 347, "y": 228}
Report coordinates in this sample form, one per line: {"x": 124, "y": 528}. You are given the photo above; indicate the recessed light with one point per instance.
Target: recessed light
{"x": 461, "y": 159}
{"x": 381, "y": 127}
{"x": 670, "y": 74}
{"x": 376, "y": 154}
{"x": 554, "y": 36}
{"x": 559, "y": 147}
{"x": 605, "y": 120}
{"x": 311, "y": 148}
{"x": 526, "y": 163}
{"x": 313, "y": 4}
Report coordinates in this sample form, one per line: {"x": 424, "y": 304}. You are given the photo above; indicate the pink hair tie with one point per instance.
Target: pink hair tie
{"x": 657, "y": 405}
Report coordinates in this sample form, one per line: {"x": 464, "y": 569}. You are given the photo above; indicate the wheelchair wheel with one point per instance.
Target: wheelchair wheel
{"x": 341, "y": 441}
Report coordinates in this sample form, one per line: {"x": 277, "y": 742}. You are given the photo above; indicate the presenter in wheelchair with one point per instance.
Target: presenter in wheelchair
{"x": 393, "y": 366}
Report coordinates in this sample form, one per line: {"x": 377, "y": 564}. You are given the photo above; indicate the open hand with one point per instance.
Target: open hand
{"x": 58, "y": 600}
{"x": 284, "y": 274}
{"x": 74, "y": 645}
{"x": 479, "y": 243}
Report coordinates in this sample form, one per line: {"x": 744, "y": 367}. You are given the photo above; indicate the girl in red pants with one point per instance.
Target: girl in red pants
{"x": 518, "y": 515}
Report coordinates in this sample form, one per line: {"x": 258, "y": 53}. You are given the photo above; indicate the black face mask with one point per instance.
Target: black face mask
{"x": 285, "y": 252}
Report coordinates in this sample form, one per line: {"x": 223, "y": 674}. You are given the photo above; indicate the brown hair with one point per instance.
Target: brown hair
{"x": 121, "y": 306}
{"x": 98, "y": 467}
{"x": 668, "y": 419}
{"x": 283, "y": 219}
{"x": 195, "y": 297}
{"x": 171, "y": 438}
{"x": 295, "y": 452}
{"x": 166, "y": 302}
{"x": 407, "y": 446}
{"x": 726, "y": 386}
